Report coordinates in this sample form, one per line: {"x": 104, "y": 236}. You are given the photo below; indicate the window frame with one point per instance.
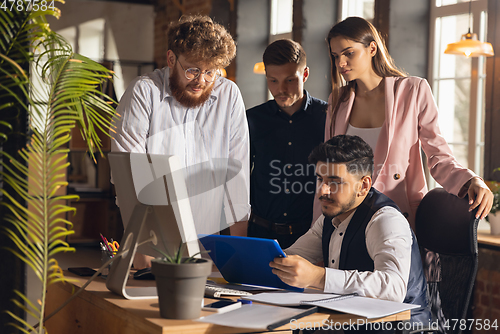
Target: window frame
{"x": 343, "y": 8}
{"x": 475, "y": 144}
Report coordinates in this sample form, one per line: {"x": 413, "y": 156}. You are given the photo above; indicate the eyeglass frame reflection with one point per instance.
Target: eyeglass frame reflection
{"x": 217, "y": 72}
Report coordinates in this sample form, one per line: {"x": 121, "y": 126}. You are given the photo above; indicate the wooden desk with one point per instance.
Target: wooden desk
{"x": 99, "y": 311}
{"x": 486, "y": 238}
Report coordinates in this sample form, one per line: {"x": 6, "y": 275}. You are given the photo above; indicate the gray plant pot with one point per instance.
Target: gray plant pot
{"x": 181, "y": 287}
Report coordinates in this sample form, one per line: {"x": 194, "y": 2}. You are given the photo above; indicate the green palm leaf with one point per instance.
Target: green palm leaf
{"x": 70, "y": 93}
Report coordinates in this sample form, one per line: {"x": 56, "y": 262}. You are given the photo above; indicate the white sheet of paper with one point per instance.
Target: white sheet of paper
{"x": 254, "y": 316}
{"x": 369, "y": 308}
{"x": 362, "y": 306}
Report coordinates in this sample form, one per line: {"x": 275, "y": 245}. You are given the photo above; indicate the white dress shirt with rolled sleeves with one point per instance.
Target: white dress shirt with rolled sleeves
{"x": 388, "y": 241}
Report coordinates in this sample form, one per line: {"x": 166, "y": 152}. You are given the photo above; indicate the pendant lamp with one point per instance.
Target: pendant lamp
{"x": 469, "y": 45}
{"x": 259, "y": 68}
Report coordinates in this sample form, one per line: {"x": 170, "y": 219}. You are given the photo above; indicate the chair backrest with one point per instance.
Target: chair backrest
{"x": 445, "y": 226}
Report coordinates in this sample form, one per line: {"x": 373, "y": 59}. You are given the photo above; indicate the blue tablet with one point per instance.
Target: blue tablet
{"x": 245, "y": 260}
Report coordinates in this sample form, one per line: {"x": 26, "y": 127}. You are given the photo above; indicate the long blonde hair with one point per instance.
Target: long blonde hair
{"x": 361, "y": 31}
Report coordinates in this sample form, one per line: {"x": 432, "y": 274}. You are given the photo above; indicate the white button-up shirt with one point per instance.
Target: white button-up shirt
{"x": 388, "y": 242}
{"x": 214, "y": 134}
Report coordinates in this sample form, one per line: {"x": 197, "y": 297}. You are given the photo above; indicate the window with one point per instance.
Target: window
{"x": 281, "y": 18}
{"x": 88, "y": 39}
{"x": 458, "y": 82}
{"x": 361, "y": 8}
{"x": 95, "y": 39}
{"x": 281, "y": 23}
{"x": 440, "y": 3}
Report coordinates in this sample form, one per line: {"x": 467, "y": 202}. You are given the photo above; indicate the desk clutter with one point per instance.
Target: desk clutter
{"x": 108, "y": 251}
{"x": 264, "y": 303}
{"x": 109, "y": 247}
{"x": 283, "y": 307}
{"x": 142, "y": 316}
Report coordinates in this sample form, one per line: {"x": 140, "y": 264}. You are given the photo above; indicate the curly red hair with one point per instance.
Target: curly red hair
{"x": 200, "y": 39}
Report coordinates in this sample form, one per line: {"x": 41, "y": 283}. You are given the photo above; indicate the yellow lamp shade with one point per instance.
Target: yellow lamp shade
{"x": 223, "y": 72}
{"x": 469, "y": 46}
{"x": 259, "y": 68}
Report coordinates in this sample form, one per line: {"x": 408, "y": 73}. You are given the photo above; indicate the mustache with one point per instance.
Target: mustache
{"x": 196, "y": 85}
{"x": 325, "y": 198}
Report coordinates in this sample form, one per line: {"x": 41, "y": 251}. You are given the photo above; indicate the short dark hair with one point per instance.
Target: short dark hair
{"x": 200, "y": 39}
{"x": 284, "y": 51}
{"x": 352, "y": 151}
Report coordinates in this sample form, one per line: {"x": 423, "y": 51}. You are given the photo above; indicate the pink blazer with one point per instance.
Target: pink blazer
{"x": 411, "y": 122}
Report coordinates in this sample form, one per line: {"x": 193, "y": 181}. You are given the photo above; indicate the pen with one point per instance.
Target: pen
{"x": 244, "y": 301}
{"x": 106, "y": 243}
{"x": 339, "y": 297}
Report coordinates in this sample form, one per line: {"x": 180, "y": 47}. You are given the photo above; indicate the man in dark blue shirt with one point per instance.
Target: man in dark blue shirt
{"x": 283, "y": 132}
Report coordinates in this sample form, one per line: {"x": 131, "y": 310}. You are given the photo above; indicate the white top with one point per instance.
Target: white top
{"x": 213, "y": 134}
{"x": 369, "y": 135}
{"x": 388, "y": 241}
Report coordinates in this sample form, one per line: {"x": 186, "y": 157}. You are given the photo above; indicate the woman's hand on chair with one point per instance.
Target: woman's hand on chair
{"x": 480, "y": 196}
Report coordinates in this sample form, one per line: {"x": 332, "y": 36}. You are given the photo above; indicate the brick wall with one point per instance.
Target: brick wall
{"x": 486, "y": 297}
{"x": 202, "y": 7}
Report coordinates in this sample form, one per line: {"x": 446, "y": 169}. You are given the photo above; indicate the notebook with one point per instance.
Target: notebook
{"x": 245, "y": 260}
{"x": 369, "y": 308}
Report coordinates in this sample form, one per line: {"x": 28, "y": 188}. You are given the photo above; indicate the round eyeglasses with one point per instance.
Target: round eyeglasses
{"x": 193, "y": 73}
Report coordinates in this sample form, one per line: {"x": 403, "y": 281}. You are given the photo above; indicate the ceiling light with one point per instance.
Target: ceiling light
{"x": 469, "y": 45}
{"x": 259, "y": 68}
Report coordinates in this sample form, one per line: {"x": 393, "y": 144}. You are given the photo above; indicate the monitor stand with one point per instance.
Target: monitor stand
{"x": 120, "y": 267}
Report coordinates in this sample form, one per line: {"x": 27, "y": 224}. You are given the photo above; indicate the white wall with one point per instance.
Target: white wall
{"x": 252, "y": 40}
{"x": 409, "y": 35}
{"x": 319, "y": 17}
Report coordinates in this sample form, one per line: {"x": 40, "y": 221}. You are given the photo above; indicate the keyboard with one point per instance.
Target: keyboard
{"x": 217, "y": 291}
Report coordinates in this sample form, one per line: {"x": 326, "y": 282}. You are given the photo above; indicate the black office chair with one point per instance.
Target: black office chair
{"x": 445, "y": 226}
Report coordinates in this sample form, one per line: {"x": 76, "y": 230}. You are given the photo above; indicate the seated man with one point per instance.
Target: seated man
{"x": 363, "y": 239}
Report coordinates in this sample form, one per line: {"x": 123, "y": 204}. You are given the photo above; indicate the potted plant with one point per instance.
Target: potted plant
{"x": 494, "y": 215}
{"x": 180, "y": 282}
{"x": 57, "y": 88}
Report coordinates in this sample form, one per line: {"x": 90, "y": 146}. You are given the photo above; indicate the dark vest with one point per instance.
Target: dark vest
{"x": 354, "y": 255}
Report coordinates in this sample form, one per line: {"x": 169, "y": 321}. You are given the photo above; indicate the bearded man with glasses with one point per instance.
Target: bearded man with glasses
{"x": 187, "y": 109}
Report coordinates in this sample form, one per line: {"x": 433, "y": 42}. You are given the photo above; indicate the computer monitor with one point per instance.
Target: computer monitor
{"x": 155, "y": 208}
